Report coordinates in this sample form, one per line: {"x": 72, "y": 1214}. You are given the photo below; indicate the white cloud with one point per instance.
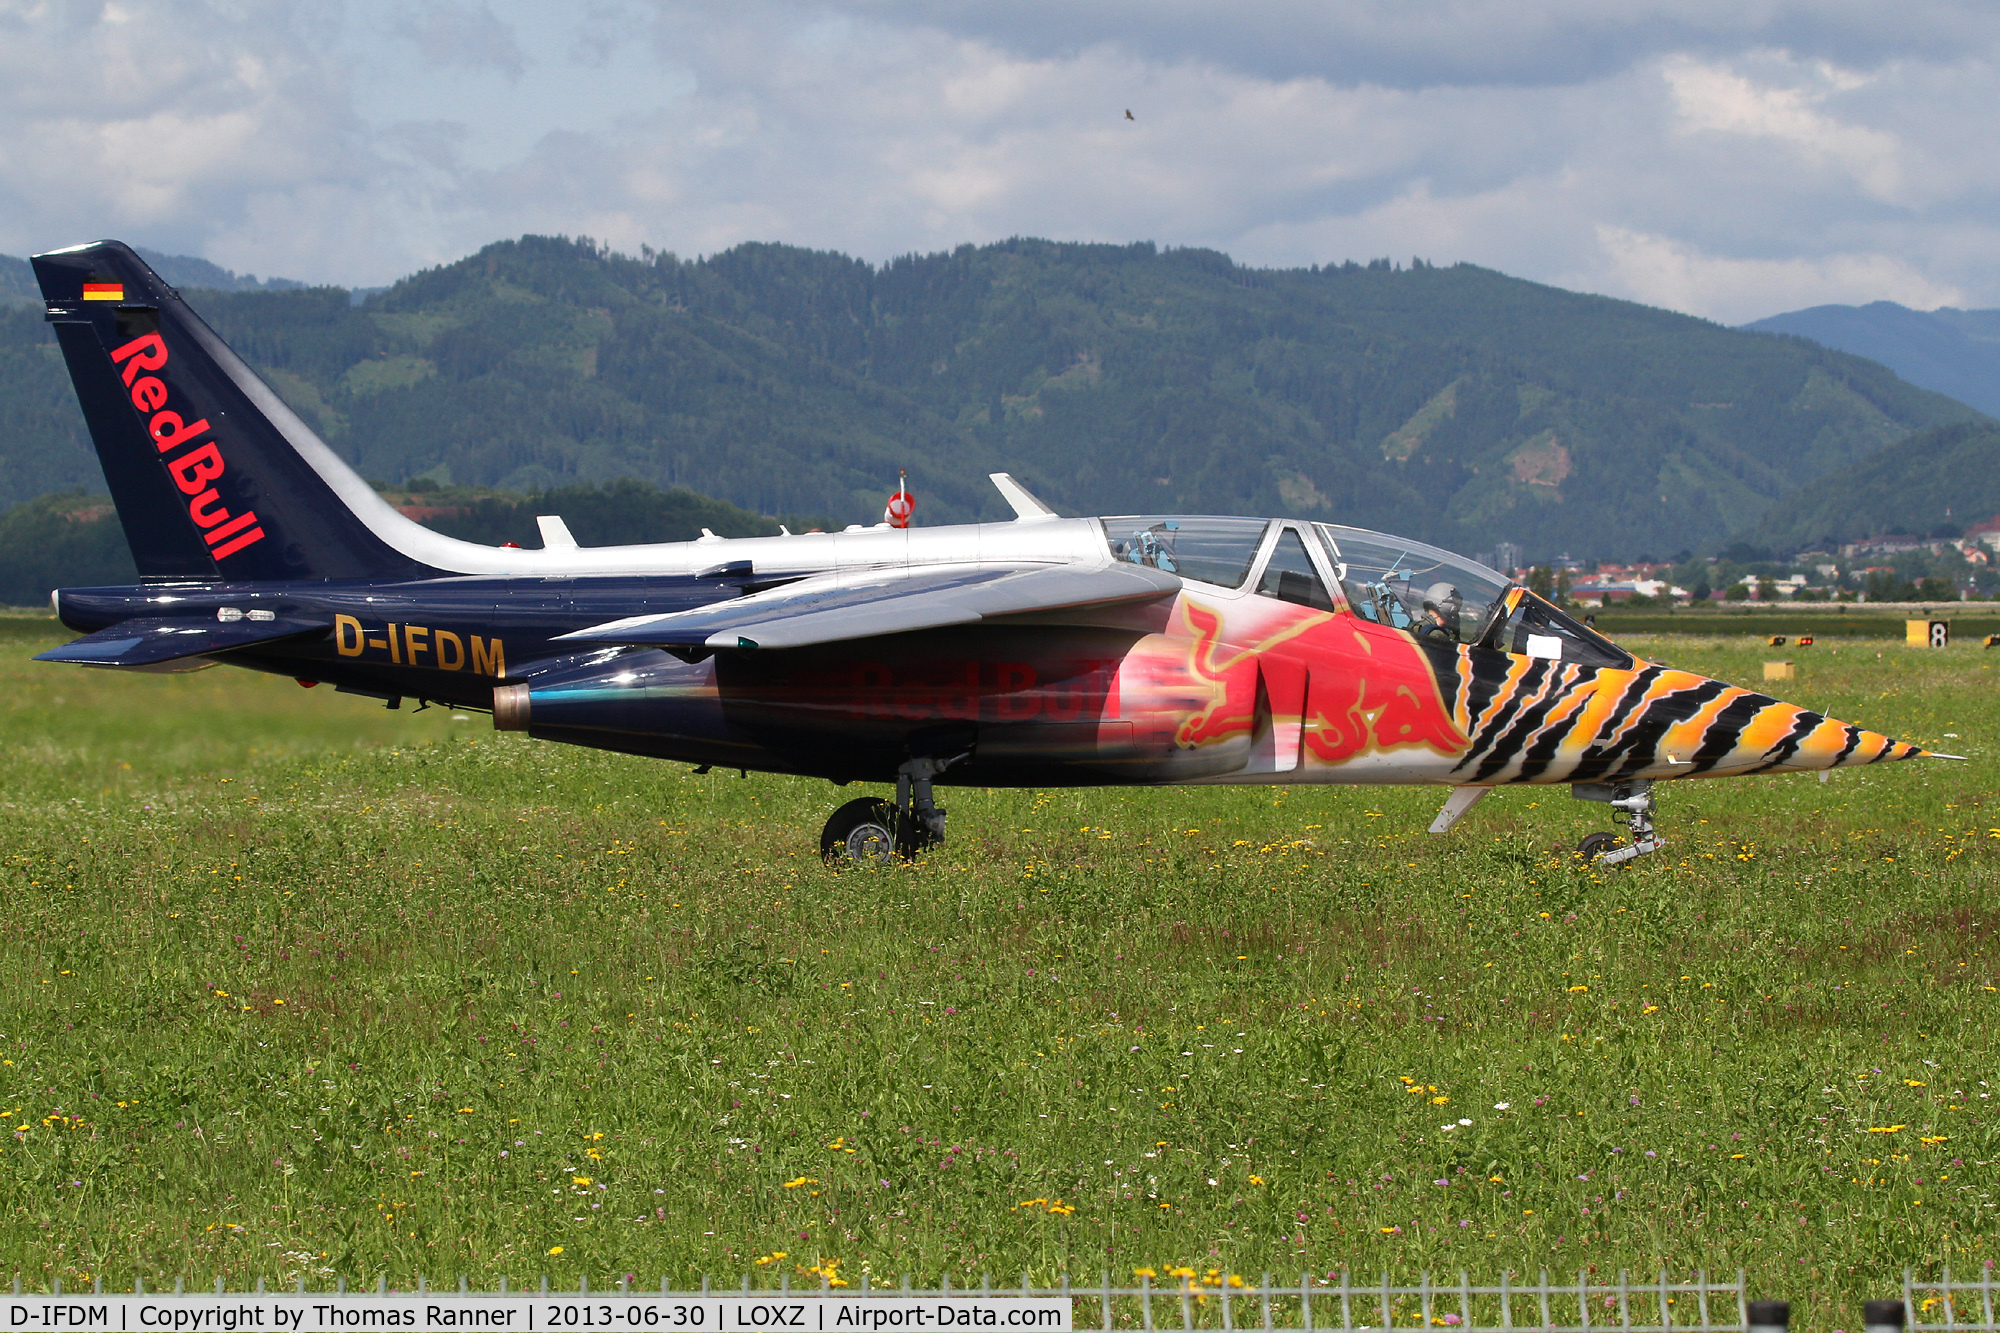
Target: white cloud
{"x": 135, "y": 119}
{"x": 1713, "y": 97}
{"x": 463, "y": 35}
{"x": 1726, "y": 157}
{"x": 1664, "y": 272}
{"x": 1465, "y": 43}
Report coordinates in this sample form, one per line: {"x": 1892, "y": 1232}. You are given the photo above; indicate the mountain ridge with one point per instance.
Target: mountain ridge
{"x": 1934, "y": 483}
{"x": 1454, "y": 404}
{"x": 17, "y": 277}
{"x": 1950, "y": 351}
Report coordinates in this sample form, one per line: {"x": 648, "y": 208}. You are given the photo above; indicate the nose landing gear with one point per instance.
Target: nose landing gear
{"x": 1631, "y": 805}
{"x": 874, "y": 831}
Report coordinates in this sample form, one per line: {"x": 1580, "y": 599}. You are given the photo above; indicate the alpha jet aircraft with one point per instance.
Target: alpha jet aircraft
{"x": 1044, "y": 651}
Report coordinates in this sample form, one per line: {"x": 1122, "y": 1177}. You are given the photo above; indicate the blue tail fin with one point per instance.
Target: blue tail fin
{"x": 213, "y": 476}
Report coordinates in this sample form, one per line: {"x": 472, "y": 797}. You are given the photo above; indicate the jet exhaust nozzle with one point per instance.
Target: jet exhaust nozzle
{"x": 510, "y": 707}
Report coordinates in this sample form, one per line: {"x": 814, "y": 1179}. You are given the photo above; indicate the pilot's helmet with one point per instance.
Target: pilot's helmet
{"x": 1442, "y": 597}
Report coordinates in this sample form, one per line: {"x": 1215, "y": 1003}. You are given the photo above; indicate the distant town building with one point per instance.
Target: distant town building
{"x": 1607, "y": 587}
{"x": 1892, "y": 544}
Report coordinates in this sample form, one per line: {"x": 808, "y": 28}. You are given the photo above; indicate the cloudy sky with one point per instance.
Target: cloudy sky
{"x": 1730, "y": 158}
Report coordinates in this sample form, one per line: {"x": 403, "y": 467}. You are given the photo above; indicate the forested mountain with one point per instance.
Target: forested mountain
{"x": 1935, "y": 482}
{"x": 1455, "y": 404}
{"x": 1955, "y": 352}
{"x": 17, "y": 283}
{"x": 73, "y": 540}
{"x": 67, "y": 540}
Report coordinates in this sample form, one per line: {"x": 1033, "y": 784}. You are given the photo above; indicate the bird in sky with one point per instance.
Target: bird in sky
{"x": 1128, "y": 113}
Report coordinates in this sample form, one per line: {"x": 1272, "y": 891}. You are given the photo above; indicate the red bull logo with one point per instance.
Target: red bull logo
{"x": 1350, "y": 688}
{"x": 195, "y": 470}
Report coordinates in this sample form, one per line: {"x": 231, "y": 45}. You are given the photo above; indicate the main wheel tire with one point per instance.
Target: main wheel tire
{"x": 1595, "y": 845}
{"x": 862, "y": 832}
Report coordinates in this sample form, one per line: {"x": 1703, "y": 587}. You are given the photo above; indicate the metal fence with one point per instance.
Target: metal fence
{"x": 1944, "y": 1303}
{"x": 1180, "y": 1298}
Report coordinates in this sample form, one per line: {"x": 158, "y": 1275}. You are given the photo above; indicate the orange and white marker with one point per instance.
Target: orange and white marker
{"x": 901, "y": 505}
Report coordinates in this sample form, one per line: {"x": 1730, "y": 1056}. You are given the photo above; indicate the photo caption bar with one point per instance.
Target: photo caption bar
{"x": 760, "y": 1313}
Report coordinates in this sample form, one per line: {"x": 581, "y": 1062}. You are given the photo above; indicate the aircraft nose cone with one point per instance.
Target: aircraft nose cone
{"x": 1533, "y": 722}
{"x": 1734, "y": 731}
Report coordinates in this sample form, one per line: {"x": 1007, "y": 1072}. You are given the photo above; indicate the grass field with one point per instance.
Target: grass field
{"x": 293, "y": 985}
{"x": 1970, "y": 621}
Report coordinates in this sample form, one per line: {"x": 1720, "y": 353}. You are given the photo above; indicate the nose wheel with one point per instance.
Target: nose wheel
{"x": 1631, "y": 805}
{"x": 1595, "y": 845}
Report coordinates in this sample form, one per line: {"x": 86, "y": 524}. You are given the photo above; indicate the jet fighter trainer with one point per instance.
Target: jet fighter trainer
{"x": 1044, "y": 651}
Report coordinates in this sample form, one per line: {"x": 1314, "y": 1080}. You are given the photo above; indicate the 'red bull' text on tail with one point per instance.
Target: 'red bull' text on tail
{"x": 212, "y": 475}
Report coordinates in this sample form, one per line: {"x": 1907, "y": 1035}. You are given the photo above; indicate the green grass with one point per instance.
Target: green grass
{"x": 293, "y": 985}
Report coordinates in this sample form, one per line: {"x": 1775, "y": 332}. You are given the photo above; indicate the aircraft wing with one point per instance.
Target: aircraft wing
{"x": 834, "y": 608}
{"x": 149, "y": 642}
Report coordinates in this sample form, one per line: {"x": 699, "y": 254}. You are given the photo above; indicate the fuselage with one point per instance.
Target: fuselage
{"x": 1291, "y": 653}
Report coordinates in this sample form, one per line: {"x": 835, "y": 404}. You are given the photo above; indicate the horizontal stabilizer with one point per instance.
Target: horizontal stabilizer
{"x": 836, "y": 608}
{"x": 149, "y": 642}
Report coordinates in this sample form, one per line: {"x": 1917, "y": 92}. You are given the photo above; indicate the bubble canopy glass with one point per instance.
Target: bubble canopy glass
{"x": 1408, "y": 585}
{"x": 1446, "y": 599}
{"x": 1389, "y": 579}
{"x": 1195, "y": 546}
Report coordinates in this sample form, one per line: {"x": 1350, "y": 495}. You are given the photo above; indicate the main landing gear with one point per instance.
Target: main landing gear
{"x": 1631, "y": 805}
{"x": 873, "y": 831}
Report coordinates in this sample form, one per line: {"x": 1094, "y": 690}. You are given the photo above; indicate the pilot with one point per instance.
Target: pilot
{"x": 1440, "y": 619}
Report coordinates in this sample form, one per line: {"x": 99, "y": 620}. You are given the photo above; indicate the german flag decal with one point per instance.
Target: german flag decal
{"x": 103, "y": 291}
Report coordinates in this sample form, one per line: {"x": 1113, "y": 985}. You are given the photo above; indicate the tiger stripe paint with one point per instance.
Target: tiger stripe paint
{"x": 1530, "y": 720}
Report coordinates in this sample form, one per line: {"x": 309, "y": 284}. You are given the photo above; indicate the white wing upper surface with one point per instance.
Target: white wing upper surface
{"x": 836, "y": 608}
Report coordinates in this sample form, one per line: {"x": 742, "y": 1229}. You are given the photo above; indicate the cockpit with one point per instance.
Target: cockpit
{"x": 1445, "y": 599}
{"x": 1414, "y": 587}
{"x": 1201, "y": 547}
{"x": 1436, "y": 597}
